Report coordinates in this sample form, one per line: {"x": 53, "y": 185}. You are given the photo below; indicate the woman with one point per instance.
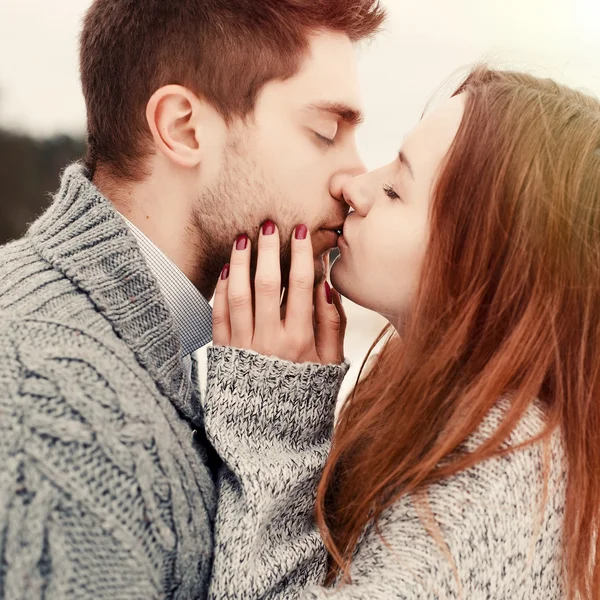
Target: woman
{"x": 466, "y": 463}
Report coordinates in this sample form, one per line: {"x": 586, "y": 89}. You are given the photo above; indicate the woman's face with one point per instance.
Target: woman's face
{"x": 385, "y": 238}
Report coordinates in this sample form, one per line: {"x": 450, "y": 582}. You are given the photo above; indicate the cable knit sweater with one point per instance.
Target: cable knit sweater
{"x": 107, "y": 484}
{"x": 504, "y": 541}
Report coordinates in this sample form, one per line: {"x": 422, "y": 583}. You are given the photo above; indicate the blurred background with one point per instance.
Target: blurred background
{"x": 426, "y": 48}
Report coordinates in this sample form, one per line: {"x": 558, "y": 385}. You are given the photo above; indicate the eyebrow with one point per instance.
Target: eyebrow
{"x": 404, "y": 161}
{"x": 346, "y": 113}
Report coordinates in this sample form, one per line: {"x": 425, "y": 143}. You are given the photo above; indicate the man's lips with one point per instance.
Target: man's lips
{"x": 337, "y": 229}
{"x": 334, "y": 233}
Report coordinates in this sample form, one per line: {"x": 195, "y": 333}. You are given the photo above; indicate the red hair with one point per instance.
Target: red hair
{"x": 223, "y": 50}
{"x": 508, "y": 303}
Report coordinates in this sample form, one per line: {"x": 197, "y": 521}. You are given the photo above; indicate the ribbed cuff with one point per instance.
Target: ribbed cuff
{"x": 266, "y": 398}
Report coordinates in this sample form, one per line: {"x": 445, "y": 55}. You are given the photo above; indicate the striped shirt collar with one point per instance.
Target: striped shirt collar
{"x": 191, "y": 311}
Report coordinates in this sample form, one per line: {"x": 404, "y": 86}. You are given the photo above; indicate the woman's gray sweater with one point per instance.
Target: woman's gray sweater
{"x": 504, "y": 542}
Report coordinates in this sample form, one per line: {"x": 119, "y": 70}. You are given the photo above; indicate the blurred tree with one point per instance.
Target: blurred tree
{"x": 29, "y": 173}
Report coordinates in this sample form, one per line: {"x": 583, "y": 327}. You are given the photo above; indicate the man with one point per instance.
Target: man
{"x": 206, "y": 118}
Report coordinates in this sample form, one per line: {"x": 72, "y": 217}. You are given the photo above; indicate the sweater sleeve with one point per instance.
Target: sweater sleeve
{"x": 271, "y": 421}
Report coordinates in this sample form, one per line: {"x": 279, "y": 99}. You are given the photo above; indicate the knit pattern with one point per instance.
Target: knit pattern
{"x": 502, "y": 541}
{"x": 104, "y": 492}
{"x": 506, "y": 544}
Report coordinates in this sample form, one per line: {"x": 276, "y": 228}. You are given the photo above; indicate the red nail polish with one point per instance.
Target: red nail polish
{"x": 328, "y": 293}
{"x": 301, "y": 232}
{"x": 225, "y": 272}
{"x": 241, "y": 243}
{"x": 268, "y": 228}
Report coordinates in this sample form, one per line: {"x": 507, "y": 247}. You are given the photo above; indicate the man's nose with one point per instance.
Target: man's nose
{"x": 343, "y": 177}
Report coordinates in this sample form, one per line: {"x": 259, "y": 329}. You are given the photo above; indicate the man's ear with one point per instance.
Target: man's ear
{"x": 174, "y": 117}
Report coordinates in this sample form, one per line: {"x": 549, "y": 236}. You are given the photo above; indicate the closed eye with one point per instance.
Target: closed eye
{"x": 325, "y": 140}
{"x": 389, "y": 192}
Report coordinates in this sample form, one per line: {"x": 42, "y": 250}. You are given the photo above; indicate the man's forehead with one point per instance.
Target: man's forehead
{"x": 327, "y": 81}
{"x": 329, "y": 74}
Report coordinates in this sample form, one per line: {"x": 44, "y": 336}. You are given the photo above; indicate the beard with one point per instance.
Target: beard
{"x": 239, "y": 202}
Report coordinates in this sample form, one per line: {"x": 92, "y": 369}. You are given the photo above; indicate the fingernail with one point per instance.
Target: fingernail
{"x": 225, "y": 272}
{"x": 301, "y": 232}
{"x": 268, "y": 228}
{"x": 241, "y": 243}
{"x": 328, "y": 293}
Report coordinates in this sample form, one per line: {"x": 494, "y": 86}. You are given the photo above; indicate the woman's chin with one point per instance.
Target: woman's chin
{"x": 351, "y": 288}
{"x": 344, "y": 283}
{"x": 336, "y": 277}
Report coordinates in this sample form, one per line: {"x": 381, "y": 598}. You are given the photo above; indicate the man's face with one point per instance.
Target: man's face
{"x": 289, "y": 161}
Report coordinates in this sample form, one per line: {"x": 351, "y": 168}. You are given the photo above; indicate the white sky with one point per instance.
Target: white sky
{"x": 425, "y": 42}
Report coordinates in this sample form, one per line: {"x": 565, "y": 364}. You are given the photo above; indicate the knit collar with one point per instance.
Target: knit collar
{"x": 84, "y": 237}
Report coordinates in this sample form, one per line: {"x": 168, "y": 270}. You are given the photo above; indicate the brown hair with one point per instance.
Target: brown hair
{"x": 508, "y": 303}
{"x": 223, "y": 50}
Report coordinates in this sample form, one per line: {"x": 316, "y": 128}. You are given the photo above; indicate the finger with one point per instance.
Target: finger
{"x": 267, "y": 290}
{"x": 299, "y": 310}
{"x": 337, "y": 300}
{"x": 330, "y": 326}
{"x": 220, "y": 315}
{"x": 240, "y": 294}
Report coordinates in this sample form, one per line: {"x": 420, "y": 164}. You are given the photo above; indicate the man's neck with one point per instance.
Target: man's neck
{"x": 165, "y": 224}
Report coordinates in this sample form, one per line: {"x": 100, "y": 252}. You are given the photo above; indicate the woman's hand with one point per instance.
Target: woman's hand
{"x": 314, "y": 324}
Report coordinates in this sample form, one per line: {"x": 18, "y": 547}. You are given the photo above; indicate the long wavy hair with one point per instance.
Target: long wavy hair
{"x": 508, "y": 303}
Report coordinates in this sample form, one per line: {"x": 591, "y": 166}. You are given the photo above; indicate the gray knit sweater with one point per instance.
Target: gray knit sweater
{"x": 107, "y": 481}
{"x": 502, "y": 540}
